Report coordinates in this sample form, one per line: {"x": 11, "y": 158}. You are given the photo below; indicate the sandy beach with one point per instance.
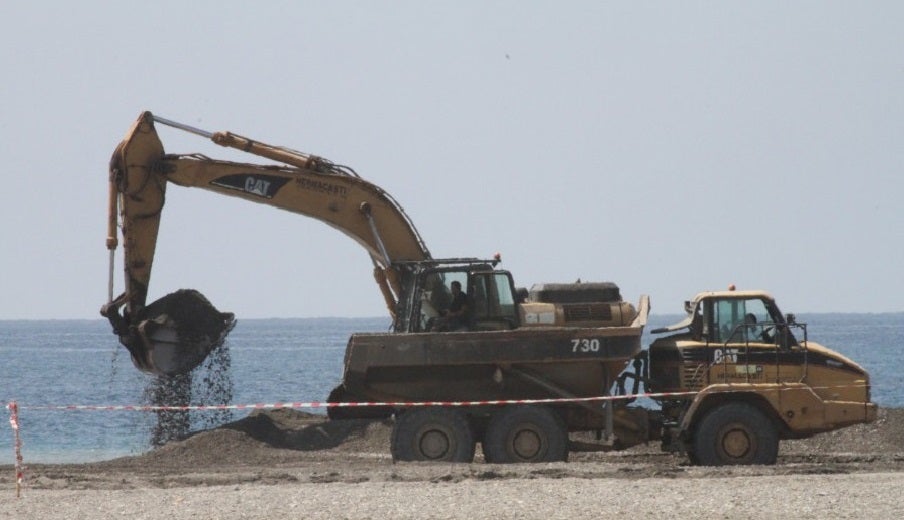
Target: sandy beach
{"x": 284, "y": 463}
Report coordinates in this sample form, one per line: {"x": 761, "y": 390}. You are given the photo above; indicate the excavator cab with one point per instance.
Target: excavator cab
{"x": 489, "y": 293}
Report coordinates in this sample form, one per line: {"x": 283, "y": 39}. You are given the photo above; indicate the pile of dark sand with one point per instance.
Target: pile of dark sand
{"x": 885, "y": 435}
{"x": 268, "y": 437}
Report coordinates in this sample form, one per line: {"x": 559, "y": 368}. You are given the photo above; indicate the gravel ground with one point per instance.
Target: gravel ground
{"x": 868, "y": 495}
{"x": 288, "y": 464}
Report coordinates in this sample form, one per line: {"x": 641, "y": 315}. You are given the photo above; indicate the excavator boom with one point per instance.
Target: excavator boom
{"x": 174, "y": 334}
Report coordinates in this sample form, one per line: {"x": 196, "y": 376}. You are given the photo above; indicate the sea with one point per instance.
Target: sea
{"x": 54, "y": 363}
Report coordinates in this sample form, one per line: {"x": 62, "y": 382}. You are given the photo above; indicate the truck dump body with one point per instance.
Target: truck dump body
{"x": 511, "y": 364}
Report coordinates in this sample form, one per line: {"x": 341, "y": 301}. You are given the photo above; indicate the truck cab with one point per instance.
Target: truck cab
{"x": 728, "y": 336}
{"x": 735, "y": 355}
{"x": 742, "y": 337}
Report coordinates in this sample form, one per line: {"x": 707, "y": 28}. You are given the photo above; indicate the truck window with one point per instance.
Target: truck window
{"x": 493, "y": 301}
{"x": 741, "y": 321}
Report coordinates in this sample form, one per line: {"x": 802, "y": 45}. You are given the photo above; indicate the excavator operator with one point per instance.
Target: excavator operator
{"x": 456, "y": 316}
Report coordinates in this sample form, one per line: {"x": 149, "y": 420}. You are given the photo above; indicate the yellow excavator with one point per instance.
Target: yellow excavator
{"x": 175, "y": 333}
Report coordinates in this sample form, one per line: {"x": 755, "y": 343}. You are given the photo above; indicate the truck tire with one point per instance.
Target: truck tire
{"x": 735, "y": 434}
{"x": 525, "y": 434}
{"x": 432, "y": 434}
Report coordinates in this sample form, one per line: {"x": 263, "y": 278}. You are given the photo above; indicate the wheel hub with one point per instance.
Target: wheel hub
{"x": 434, "y": 444}
{"x": 736, "y": 443}
{"x": 527, "y": 444}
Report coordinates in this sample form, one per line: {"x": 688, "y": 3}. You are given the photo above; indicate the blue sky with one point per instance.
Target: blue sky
{"x": 668, "y": 147}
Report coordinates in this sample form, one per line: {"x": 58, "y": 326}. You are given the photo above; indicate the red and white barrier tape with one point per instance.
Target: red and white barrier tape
{"x": 323, "y": 404}
{"x": 393, "y": 404}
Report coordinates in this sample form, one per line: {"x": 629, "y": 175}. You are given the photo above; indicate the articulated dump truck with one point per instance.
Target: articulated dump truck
{"x": 534, "y": 368}
{"x": 724, "y": 385}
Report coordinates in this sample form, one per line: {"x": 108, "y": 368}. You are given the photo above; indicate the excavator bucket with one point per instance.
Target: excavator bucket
{"x": 174, "y": 334}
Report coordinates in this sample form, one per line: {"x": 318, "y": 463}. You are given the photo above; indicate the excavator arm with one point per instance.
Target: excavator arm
{"x": 175, "y": 333}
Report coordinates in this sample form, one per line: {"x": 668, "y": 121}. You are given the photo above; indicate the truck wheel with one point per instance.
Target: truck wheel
{"x": 735, "y": 433}
{"x": 432, "y": 434}
{"x": 525, "y": 434}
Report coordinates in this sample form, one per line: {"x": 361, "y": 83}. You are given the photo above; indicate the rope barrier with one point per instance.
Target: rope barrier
{"x": 324, "y": 404}
{"x": 396, "y": 404}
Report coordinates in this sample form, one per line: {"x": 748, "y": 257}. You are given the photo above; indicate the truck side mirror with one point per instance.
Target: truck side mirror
{"x": 790, "y": 319}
